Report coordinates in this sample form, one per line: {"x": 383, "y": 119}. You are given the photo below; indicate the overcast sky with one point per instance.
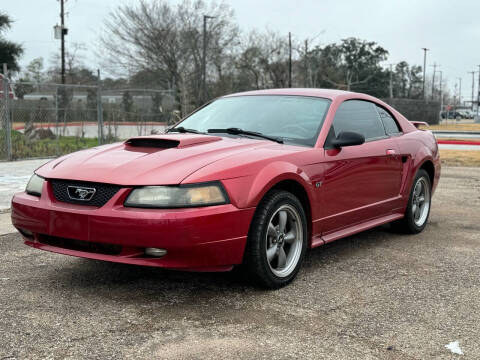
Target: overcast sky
{"x": 451, "y": 29}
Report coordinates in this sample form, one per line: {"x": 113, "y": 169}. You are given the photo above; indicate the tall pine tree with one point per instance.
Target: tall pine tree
{"x": 10, "y": 52}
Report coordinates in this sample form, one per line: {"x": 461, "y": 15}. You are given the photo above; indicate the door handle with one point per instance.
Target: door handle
{"x": 391, "y": 152}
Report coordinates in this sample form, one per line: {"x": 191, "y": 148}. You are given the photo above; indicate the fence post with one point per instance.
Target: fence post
{"x": 6, "y": 118}
{"x": 99, "y": 109}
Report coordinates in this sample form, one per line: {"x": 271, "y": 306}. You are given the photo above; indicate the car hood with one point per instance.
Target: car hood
{"x": 149, "y": 160}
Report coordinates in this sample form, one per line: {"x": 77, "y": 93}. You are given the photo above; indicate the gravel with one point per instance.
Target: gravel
{"x": 375, "y": 295}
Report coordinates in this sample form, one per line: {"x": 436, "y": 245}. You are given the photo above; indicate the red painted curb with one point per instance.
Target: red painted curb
{"x": 459, "y": 142}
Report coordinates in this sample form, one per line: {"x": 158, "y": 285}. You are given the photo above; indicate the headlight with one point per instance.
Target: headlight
{"x": 177, "y": 196}
{"x": 35, "y": 185}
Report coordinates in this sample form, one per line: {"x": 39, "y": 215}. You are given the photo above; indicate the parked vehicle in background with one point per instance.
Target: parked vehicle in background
{"x": 253, "y": 179}
{"x": 453, "y": 114}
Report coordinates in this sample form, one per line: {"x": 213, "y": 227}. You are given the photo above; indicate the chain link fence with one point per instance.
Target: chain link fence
{"x": 47, "y": 120}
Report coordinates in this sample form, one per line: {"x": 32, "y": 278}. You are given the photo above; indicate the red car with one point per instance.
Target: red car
{"x": 254, "y": 178}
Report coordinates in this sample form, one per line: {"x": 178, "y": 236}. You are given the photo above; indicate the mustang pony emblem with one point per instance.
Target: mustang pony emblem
{"x": 80, "y": 193}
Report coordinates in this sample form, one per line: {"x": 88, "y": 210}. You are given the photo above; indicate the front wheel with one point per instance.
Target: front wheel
{"x": 418, "y": 207}
{"x": 277, "y": 240}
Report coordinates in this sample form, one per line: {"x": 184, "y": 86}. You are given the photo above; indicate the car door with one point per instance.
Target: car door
{"x": 361, "y": 182}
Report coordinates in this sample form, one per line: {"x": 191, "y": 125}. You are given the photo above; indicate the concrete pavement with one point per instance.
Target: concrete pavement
{"x": 14, "y": 176}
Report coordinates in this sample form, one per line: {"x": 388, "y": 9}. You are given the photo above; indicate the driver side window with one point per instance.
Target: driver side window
{"x": 358, "y": 116}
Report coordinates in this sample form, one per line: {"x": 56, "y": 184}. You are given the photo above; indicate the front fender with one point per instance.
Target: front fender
{"x": 256, "y": 186}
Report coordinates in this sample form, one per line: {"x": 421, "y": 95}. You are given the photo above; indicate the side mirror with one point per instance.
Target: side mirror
{"x": 348, "y": 138}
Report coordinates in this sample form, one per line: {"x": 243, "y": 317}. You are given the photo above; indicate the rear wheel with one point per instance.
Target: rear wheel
{"x": 277, "y": 240}
{"x": 418, "y": 208}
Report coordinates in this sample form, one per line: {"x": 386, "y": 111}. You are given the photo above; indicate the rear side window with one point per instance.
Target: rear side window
{"x": 391, "y": 126}
{"x": 358, "y": 116}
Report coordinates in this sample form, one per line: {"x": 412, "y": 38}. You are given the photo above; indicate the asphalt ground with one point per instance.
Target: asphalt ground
{"x": 375, "y": 295}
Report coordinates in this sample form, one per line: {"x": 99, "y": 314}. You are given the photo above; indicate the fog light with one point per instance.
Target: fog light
{"x": 155, "y": 252}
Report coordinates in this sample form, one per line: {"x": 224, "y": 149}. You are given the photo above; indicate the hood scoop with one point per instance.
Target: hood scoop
{"x": 169, "y": 141}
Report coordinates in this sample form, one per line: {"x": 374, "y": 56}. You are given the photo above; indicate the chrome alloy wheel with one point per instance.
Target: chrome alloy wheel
{"x": 284, "y": 240}
{"x": 420, "y": 201}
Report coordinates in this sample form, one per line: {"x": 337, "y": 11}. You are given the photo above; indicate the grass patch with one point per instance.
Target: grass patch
{"x": 23, "y": 148}
{"x": 460, "y": 157}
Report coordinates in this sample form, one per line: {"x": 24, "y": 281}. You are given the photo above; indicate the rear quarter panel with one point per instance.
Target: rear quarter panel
{"x": 422, "y": 147}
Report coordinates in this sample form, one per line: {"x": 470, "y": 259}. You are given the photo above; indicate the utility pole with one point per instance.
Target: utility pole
{"x": 441, "y": 90}
{"x": 6, "y": 112}
{"x": 433, "y": 78}
{"x": 473, "y": 85}
{"x": 391, "y": 80}
{"x": 478, "y": 91}
{"x": 424, "y": 69}
{"x": 204, "y": 58}
{"x": 289, "y": 59}
{"x": 305, "y": 82}
{"x": 460, "y": 91}
{"x": 62, "y": 24}
{"x": 99, "y": 109}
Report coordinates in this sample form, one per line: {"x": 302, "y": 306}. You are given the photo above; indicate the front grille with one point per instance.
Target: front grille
{"x": 103, "y": 193}
{"x": 80, "y": 245}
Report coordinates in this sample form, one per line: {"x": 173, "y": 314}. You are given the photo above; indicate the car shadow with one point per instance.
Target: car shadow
{"x": 115, "y": 279}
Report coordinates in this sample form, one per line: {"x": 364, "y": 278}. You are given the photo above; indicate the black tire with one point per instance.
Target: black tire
{"x": 258, "y": 267}
{"x": 408, "y": 223}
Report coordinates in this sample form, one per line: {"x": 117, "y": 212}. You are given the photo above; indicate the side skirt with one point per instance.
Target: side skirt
{"x": 325, "y": 239}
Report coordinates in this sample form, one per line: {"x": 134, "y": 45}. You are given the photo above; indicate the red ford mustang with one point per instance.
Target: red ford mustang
{"x": 254, "y": 178}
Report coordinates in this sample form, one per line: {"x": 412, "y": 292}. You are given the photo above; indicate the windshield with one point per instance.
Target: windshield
{"x": 294, "y": 119}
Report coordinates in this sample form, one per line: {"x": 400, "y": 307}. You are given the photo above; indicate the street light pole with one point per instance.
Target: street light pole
{"x": 424, "y": 68}
{"x": 204, "y": 58}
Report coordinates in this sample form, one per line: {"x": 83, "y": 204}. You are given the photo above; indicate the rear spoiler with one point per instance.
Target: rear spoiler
{"x": 417, "y": 124}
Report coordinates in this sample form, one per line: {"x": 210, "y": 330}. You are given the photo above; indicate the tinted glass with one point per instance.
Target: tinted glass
{"x": 295, "y": 119}
{"x": 389, "y": 122}
{"x": 358, "y": 116}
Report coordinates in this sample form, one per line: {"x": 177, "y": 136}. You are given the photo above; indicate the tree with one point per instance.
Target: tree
{"x": 167, "y": 40}
{"x": 10, "y": 52}
{"x": 353, "y": 64}
{"x": 32, "y": 74}
{"x": 407, "y": 80}
{"x": 75, "y": 70}
{"x": 264, "y": 60}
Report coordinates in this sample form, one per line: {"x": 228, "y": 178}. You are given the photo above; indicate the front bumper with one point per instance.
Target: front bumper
{"x": 211, "y": 238}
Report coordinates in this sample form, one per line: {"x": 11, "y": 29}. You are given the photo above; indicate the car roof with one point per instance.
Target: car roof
{"x": 323, "y": 93}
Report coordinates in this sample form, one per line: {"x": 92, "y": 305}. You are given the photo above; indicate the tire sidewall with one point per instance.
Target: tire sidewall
{"x": 272, "y": 202}
{"x": 409, "y": 216}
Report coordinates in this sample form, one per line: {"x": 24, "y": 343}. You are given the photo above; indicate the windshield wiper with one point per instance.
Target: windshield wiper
{"x": 237, "y": 131}
{"x": 183, "y": 130}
